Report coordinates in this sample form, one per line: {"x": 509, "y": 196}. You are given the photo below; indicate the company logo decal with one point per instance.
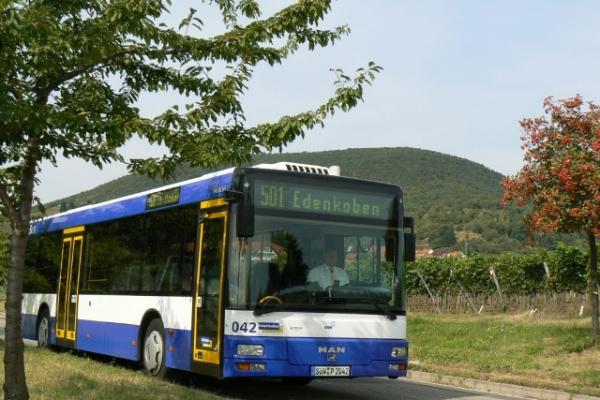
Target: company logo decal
{"x": 269, "y": 326}
{"x": 329, "y": 325}
{"x": 332, "y": 352}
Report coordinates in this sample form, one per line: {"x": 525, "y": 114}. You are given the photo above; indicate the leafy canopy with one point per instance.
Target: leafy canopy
{"x": 72, "y": 71}
{"x": 561, "y": 176}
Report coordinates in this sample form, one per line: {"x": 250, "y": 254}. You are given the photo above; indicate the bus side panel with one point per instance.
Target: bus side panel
{"x": 110, "y": 324}
{"x": 29, "y": 313}
{"x": 179, "y": 349}
{"x": 90, "y": 336}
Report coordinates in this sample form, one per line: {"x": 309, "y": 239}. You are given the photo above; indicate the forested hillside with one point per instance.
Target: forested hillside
{"x": 452, "y": 199}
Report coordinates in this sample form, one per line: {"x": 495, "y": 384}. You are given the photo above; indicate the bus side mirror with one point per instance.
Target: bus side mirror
{"x": 410, "y": 241}
{"x": 245, "y": 220}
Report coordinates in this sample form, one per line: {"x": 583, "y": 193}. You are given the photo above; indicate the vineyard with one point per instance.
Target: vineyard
{"x": 546, "y": 281}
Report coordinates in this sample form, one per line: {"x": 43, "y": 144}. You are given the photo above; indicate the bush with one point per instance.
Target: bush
{"x": 518, "y": 274}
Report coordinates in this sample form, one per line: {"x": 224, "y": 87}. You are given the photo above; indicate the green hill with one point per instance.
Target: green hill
{"x": 451, "y": 198}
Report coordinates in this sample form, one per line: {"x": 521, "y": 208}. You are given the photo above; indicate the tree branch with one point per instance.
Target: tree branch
{"x": 43, "y": 93}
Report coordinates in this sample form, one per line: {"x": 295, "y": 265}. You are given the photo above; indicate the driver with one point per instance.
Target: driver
{"x": 327, "y": 273}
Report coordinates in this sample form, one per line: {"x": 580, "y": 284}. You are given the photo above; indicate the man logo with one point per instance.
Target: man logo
{"x": 332, "y": 352}
{"x": 335, "y": 350}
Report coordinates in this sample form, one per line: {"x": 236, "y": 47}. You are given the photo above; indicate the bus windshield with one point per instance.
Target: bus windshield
{"x": 314, "y": 265}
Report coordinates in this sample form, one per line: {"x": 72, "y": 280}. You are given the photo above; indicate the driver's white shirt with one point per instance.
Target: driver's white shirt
{"x": 324, "y": 275}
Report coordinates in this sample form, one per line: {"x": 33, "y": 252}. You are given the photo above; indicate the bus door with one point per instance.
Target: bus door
{"x": 68, "y": 286}
{"x": 207, "y": 324}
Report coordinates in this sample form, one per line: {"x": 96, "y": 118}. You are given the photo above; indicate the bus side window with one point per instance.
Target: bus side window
{"x": 148, "y": 278}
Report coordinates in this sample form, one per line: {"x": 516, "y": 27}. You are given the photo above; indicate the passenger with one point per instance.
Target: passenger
{"x": 328, "y": 274}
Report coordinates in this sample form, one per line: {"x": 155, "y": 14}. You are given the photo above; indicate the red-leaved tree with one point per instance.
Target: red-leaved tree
{"x": 561, "y": 177}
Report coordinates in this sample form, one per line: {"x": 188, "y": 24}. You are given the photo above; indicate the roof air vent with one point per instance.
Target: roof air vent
{"x": 306, "y": 168}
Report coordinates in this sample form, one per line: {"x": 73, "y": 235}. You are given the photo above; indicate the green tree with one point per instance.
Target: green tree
{"x": 71, "y": 72}
{"x": 442, "y": 237}
{"x": 561, "y": 178}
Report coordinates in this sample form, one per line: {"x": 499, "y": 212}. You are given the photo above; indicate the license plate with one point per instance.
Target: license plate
{"x": 330, "y": 371}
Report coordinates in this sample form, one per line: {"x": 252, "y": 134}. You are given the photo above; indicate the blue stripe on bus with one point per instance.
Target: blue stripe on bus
{"x": 294, "y": 356}
{"x": 179, "y": 349}
{"x": 121, "y": 340}
{"x": 29, "y": 326}
{"x": 190, "y": 193}
{"x": 118, "y": 340}
{"x": 282, "y": 356}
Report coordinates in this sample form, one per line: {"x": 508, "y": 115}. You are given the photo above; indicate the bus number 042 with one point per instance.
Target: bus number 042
{"x": 246, "y": 327}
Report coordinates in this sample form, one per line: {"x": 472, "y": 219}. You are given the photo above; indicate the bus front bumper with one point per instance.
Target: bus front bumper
{"x": 316, "y": 357}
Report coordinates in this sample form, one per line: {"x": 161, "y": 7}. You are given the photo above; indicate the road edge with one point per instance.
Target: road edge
{"x": 496, "y": 388}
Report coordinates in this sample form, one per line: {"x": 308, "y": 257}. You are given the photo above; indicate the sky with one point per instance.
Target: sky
{"x": 458, "y": 77}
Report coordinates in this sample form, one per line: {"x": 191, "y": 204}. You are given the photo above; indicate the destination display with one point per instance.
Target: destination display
{"x": 294, "y": 197}
{"x": 163, "y": 198}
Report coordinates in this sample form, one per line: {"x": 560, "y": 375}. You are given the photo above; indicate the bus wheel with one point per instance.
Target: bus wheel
{"x": 153, "y": 356}
{"x": 43, "y": 330}
{"x": 296, "y": 381}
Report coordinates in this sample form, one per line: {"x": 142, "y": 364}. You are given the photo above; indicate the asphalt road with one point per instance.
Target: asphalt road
{"x": 347, "y": 389}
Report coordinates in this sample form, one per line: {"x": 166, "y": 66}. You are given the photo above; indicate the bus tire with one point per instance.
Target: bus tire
{"x": 296, "y": 381}
{"x": 153, "y": 350}
{"x": 43, "y": 329}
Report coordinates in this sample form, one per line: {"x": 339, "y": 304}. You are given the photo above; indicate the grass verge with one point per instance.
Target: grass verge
{"x": 52, "y": 375}
{"x": 2, "y": 300}
{"x": 523, "y": 350}
{"x": 531, "y": 351}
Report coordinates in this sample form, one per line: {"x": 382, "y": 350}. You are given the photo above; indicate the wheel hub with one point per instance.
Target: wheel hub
{"x": 153, "y": 352}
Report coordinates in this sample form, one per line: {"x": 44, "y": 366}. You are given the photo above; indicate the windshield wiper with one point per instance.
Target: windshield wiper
{"x": 262, "y": 309}
{"x": 381, "y": 307}
{"x": 267, "y": 308}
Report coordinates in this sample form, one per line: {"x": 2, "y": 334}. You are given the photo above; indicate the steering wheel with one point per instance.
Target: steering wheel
{"x": 267, "y": 299}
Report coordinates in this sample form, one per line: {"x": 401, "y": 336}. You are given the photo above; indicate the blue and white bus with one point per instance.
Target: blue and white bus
{"x": 279, "y": 270}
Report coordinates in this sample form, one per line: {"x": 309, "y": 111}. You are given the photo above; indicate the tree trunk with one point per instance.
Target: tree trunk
{"x": 15, "y": 385}
{"x": 594, "y": 285}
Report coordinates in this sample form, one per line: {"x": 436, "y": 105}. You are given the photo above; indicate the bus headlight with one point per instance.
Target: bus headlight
{"x": 250, "y": 350}
{"x": 398, "y": 352}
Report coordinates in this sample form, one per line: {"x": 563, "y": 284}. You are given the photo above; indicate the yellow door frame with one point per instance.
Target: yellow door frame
{"x": 198, "y": 353}
{"x": 70, "y": 237}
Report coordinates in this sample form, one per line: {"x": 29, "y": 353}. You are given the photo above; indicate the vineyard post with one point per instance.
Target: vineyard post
{"x": 433, "y": 299}
{"x": 462, "y": 289}
{"x": 493, "y": 274}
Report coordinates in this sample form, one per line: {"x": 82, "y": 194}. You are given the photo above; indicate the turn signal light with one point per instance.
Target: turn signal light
{"x": 398, "y": 367}
{"x": 254, "y": 367}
